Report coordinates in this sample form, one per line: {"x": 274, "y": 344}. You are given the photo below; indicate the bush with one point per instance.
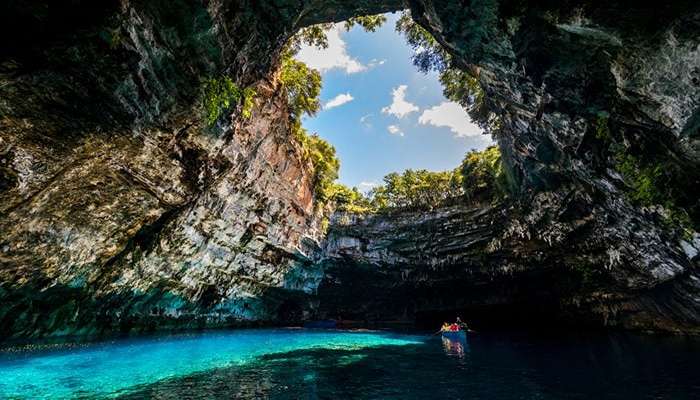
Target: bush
{"x": 483, "y": 175}
{"x": 220, "y": 94}
{"x": 350, "y": 200}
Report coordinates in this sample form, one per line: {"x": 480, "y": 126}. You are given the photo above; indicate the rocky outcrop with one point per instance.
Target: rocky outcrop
{"x": 486, "y": 262}
{"x": 120, "y": 209}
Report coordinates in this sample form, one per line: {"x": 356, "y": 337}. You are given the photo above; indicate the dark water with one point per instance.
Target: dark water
{"x": 280, "y": 364}
{"x": 483, "y": 367}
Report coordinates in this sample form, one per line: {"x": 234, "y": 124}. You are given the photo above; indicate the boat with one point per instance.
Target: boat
{"x": 455, "y": 335}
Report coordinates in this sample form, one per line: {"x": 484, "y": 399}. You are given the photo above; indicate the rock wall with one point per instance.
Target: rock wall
{"x": 121, "y": 210}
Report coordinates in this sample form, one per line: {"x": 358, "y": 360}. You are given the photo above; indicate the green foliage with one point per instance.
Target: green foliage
{"x": 649, "y": 185}
{"x": 248, "y": 102}
{"x": 480, "y": 177}
{"x": 302, "y": 85}
{"x": 458, "y": 86}
{"x": 325, "y": 163}
{"x": 315, "y": 35}
{"x": 483, "y": 175}
{"x": 642, "y": 181}
{"x": 369, "y": 23}
{"x": 463, "y": 88}
{"x": 350, "y": 200}
{"x": 416, "y": 189}
{"x": 220, "y": 94}
{"x": 602, "y": 130}
{"x": 428, "y": 53}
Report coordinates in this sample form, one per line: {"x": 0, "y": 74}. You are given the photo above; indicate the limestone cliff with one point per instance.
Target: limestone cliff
{"x": 121, "y": 209}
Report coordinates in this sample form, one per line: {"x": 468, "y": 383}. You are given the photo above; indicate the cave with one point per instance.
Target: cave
{"x": 164, "y": 232}
{"x": 118, "y": 198}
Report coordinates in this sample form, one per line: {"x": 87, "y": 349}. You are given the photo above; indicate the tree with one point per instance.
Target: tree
{"x": 315, "y": 35}
{"x": 302, "y": 85}
{"x": 416, "y": 189}
{"x": 483, "y": 175}
{"x": 351, "y": 200}
{"x": 459, "y": 86}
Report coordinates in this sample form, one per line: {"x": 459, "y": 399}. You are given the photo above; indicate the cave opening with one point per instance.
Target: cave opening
{"x": 382, "y": 113}
{"x": 174, "y": 165}
{"x": 403, "y": 129}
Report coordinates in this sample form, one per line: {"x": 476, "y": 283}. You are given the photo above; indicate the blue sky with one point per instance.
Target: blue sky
{"x": 382, "y": 114}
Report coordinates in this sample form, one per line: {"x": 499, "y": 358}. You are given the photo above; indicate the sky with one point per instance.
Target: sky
{"x": 380, "y": 113}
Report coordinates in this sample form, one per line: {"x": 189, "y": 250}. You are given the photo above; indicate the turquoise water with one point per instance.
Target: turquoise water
{"x": 110, "y": 369}
{"x": 307, "y": 364}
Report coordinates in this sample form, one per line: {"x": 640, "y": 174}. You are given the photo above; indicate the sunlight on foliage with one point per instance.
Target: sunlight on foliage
{"x": 457, "y": 85}
{"x": 350, "y": 200}
{"x": 315, "y": 35}
{"x": 483, "y": 175}
{"x": 417, "y": 189}
{"x": 370, "y": 23}
{"x": 303, "y": 87}
{"x": 326, "y": 165}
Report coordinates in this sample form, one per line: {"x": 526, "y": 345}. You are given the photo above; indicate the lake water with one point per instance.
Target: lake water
{"x": 309, "y": 364}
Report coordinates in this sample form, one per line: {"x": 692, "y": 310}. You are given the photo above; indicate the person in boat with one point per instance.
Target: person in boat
{"x": 445, "y": 327}
{"x": 462, "y": 325}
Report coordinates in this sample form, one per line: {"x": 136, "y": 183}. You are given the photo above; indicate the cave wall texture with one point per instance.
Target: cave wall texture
{"x": 122, "y": 210}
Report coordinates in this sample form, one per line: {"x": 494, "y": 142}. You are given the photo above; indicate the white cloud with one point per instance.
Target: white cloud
{"x": 364, "y": 120}
{"x": 399, "y": 106}
{"x": 335, "y": 56}
{"x": 375, "y": 63}
{"x": 453, "y": 116}
{"x": 339, "y": 100}
{"x": 394, "y": 130}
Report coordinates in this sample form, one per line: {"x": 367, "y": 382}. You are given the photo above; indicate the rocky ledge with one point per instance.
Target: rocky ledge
{"x": 500, "y": 265}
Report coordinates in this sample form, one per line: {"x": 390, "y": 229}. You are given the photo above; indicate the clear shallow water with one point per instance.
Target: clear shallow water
{"x": 303, "y": 364}
{"x": 113, "y": 368}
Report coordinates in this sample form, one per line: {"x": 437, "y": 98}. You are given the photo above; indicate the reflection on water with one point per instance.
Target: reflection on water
{"x": 454, "y": 347}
